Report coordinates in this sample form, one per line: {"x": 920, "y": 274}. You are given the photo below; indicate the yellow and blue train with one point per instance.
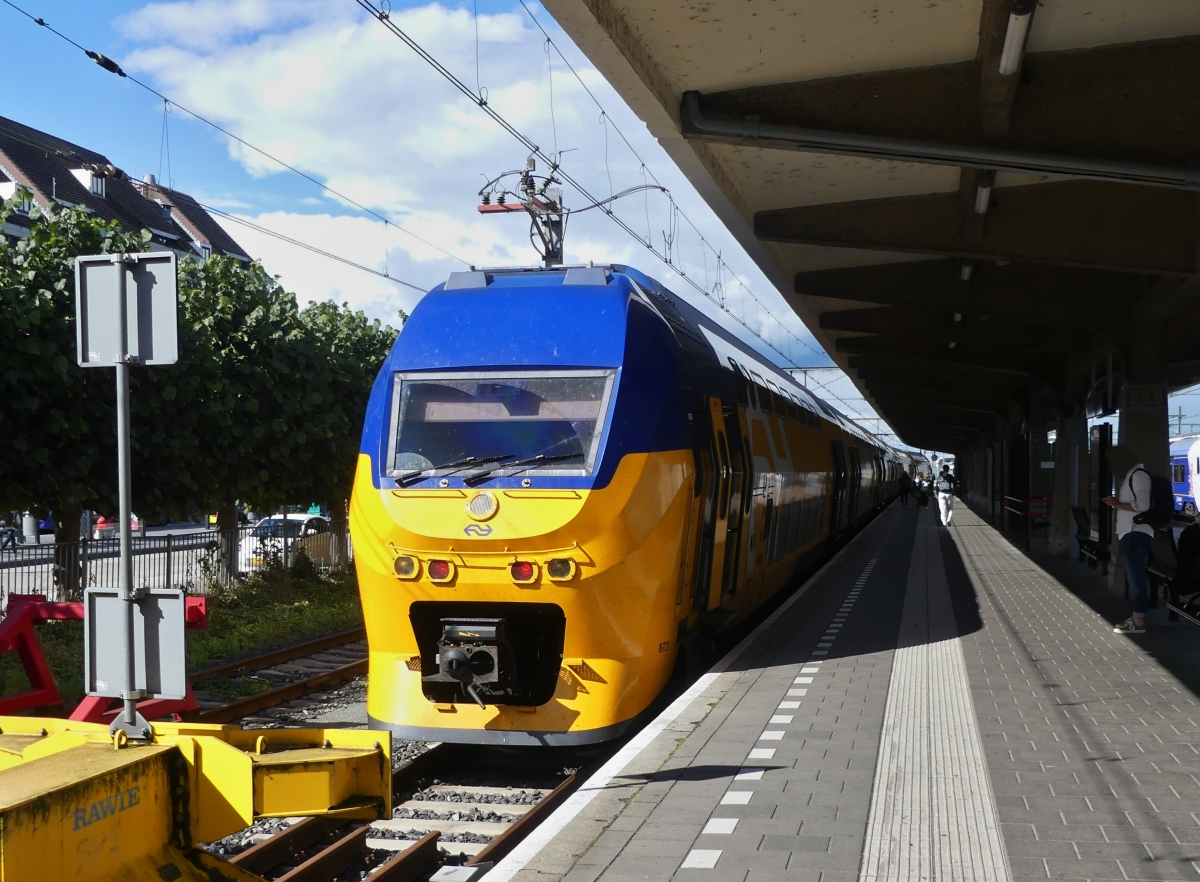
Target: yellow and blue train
{"x": 569, "y": 480}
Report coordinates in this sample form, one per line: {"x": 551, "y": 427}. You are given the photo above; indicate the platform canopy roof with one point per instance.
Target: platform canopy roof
{"x": 974, "y": 247}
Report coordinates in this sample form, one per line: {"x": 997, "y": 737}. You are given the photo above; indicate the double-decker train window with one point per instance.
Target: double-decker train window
{"x": 441, "y": 420}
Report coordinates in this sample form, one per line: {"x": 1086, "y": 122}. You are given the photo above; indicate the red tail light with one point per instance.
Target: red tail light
{"x": 439, "y": 570}
{"x": 522, "y": 571}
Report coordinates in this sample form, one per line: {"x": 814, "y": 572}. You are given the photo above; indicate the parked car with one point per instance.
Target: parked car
{"x": 109, "y": 529}
{"x": 310, "y": 533}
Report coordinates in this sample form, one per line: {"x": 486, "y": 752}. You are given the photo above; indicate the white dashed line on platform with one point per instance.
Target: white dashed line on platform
{"x": 701, "y": 859}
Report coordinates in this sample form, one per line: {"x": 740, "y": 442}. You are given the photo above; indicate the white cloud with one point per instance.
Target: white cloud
{"x": 331, "y": 91}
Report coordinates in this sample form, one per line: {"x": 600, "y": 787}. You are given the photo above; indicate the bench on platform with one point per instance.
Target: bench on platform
{"x": 1092, "y": 551}
{"x": 1163, "y": 573}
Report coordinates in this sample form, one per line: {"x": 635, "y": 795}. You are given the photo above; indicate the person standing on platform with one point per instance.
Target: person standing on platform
{"x": 1134, "y": 539}
{"x": 905, "y": 489}
{"x": 944, "y": 486}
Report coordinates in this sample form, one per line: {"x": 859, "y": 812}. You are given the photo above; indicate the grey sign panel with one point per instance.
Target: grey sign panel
{"x": 150, "y": 332}
{"x": 158, "y": 637}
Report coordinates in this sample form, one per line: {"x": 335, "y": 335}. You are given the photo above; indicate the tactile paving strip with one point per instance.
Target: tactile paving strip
{"x": 933, "y": 815}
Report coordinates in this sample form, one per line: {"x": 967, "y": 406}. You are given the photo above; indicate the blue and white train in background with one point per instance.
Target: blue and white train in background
{"x": 1185, "y": 473}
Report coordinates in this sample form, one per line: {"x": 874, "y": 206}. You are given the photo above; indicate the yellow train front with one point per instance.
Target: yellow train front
{"x": 568, "y": 478}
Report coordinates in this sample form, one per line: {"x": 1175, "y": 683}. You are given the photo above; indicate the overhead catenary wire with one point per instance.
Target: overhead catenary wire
{"x": 384, "y": 17}
{"x": 42, "y": 145}
{"x": 347, "y": 261}
{"x": 112, "y": 67}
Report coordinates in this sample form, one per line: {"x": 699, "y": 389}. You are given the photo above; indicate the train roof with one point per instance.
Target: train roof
{"x": 730, "y": 351}
{"x": 1181, "y": 446}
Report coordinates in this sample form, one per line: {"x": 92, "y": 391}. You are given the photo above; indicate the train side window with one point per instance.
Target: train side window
{"x": 759, "y": 388}
{"x": 741, "y": 380}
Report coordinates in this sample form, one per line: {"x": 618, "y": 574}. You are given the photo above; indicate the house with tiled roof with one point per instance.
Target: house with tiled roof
{"x": 49, "y": 170}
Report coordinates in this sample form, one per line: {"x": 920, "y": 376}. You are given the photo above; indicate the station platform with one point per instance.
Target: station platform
{"x": 932, "y": 705}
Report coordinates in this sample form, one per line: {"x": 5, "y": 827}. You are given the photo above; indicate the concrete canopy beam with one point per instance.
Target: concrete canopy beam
{"x": 942, "y": 415}
{"x": 1074, "y": 223}
{"x": 1045, "y": 368}
{"x": 1007, "y": 333}
{"x": 922, "y": 394}
{"x": 1133, "y": 102}
{"x": 1069, "y": 296}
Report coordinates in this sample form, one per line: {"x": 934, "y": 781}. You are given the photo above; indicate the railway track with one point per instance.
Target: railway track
{"x": 290, "y": 675}
{"x": 454, "y": 805}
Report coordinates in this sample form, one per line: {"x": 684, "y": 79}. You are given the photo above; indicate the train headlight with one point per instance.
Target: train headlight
{"x": 523, "y": 571}
{"x": 560, "y": 569}
{"x": 483, "y": 505}
{"x": 406, "y": 567}
{"x": 440, "y": 570}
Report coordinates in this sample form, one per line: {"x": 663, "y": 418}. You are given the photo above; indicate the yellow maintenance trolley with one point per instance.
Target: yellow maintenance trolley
{"x": 78, "y": 803}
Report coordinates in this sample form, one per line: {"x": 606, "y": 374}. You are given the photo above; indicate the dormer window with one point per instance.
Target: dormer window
{"x": 91, "y": 181}
{"x": 205, "y": 251}
{"x": 9, "y": 189}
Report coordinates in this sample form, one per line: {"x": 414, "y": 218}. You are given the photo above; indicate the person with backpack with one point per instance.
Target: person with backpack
{"x": 1135, "y": 531}
{"x": 944, "y": 486}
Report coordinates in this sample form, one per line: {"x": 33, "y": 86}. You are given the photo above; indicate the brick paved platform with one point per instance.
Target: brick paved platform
{"x": 934, "y": 706}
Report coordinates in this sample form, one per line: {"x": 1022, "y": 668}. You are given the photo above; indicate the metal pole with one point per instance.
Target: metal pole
{"x": 123, "y": 490}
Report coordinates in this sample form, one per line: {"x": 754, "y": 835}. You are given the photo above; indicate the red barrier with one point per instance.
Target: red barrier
{"x": 17, "y": 635}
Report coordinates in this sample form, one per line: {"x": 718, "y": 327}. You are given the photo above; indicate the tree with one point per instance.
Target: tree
{"x": 354, "y": 347}
{"x": 56, "y": 419}
{"x": 265, "y": 405}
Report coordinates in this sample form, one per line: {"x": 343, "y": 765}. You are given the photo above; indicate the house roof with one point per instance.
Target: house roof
{"x": 198, "y": 222}
{"x": 44, "y": 164}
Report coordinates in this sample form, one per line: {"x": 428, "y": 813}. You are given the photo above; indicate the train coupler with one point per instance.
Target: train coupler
{"x": 472, "y": 653}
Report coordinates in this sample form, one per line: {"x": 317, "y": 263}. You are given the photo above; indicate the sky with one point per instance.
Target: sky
{"x": 324, "y": 87}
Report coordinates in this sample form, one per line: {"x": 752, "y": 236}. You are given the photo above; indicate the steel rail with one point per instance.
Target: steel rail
{"x": 332, "y": 861}
{"x": 519, "y": 829}
{"x": 288, "y": 692}
{"x": 404, "y": 866}
{"x": 288, "y": 653}
{"x": 275, "y": 849}
{"x": 415, "y": 861}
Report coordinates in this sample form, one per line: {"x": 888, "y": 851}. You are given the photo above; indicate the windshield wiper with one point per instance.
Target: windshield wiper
{"x": 521, "y": 465}
{"x": 411, "y": 478}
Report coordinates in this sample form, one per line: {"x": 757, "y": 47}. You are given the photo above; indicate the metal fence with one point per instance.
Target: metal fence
{"x": 193, "y": 561}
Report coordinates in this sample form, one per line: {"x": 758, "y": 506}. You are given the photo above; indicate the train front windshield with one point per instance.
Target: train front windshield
{"x": 443, "y": 419}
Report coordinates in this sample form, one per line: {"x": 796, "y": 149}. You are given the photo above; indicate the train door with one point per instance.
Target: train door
{"x": 739, "y": 497}
{"x": 837, "y": 501}
{"x": 855, "y": 481}
{"x": 706, "y": 482}
{"x": 722, "y": 488}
